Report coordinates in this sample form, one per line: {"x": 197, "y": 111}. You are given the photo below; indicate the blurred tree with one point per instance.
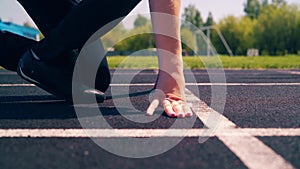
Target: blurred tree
{"x": 239, "y": 34}
{"x": 192, "y": 16}
{"x": 141, "y": 21}
{"x": 138, "y": 39}
{"x": 279, "y": 2}
{"x": 209, "y": 20}
{"x": 113, "y": 36}
{"x": 252, "y": 8}
{"x": 297, "y": 34}
{"x": 272, "y": 27}
{"x": 228, "y": 27}
{"x": 265, "y": 3}
{"x": 276, "y": 31}
{"x": 188, "y": 40}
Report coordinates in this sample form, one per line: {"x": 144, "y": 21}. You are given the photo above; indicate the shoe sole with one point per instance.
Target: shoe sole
{"x": 99, "y": 98}
{"x": 30, "y": 80}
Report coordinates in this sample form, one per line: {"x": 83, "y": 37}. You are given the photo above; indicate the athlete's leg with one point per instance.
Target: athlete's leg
{"x": 72, "y": 32}
{"x": 46, "y": 14}
{"x": 83, "y": 20}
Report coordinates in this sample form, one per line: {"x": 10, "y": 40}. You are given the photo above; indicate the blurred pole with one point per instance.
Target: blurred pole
{"x": 208, "y": 41}
{"x": 220, "y": 35}
{"x": 196, "y": 45}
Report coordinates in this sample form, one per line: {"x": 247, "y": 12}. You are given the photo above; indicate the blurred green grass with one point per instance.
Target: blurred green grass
{"x": 195, "y": 62}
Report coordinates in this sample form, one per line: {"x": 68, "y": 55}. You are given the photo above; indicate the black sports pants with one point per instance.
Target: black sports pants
{"x": 66, "y": 25}
{"x": 47, "y": 14}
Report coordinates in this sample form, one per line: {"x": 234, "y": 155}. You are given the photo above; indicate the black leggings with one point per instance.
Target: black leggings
{"x": 80, "y": 23}
{"x": 67, "y": 24}
{"x": 46, "y": 14}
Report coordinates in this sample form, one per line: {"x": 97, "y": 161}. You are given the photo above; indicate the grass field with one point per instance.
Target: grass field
{"x": 236, "y": 62}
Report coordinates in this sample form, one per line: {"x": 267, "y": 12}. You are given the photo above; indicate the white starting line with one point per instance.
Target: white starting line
{"x": 116, "y": 133}
{"x": 187, "y": 84}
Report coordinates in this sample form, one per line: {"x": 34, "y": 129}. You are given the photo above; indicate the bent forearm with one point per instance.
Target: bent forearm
{"x": 166, "y": 25}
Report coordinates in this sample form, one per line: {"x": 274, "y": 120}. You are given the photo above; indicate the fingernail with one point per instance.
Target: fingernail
{"x": 180, "y": 114}
{"x": 189, "y": 114}
{"x": 149, "y": 114}
{"x": 173, "y": 114}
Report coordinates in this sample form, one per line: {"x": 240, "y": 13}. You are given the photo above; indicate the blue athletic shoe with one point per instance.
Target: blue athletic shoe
{"x": 54, "y": 78}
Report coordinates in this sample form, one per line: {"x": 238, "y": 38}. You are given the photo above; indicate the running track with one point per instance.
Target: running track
{"x": 259, "y": 127}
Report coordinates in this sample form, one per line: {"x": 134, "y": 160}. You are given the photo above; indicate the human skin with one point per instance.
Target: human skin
{"x": 170, "y": 83}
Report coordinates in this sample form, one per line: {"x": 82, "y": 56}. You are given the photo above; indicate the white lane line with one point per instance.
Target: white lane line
{"x": 33, "y": 101}
{"x": 250, "y": 150}
{"x": 110, "y": 133}
{"x": 254, "y": 153}
{"x": 17, "y": 85}
{"x": 290, "y": 72}
{"x": 8, "y": 73}
{"x": 187, "y": 84}
{"x": 212, "y": 84}
{"x": 271, "y": 132}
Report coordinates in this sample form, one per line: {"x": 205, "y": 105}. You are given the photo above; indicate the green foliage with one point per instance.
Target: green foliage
{"x": 141, "y": 21}
{"x": 188, "y": 40}
{"x": 192, "y": 16}
{"x": 276, "y": 30}
{"x": 140, "y": 39}
{"x": 264, "y": 3}
{"x": 113, "y": 36}
{"x": 210, "y": 20}
{"x": 135, "y": 39}
{"x": 252, "y": 8}
{"x": 238, "y": 31}
{"x": 296, "y": 35}
{"x": 279, "y": 2}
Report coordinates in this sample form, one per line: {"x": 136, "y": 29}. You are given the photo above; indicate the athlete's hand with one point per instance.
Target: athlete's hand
{"x": 173, "y": 107}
